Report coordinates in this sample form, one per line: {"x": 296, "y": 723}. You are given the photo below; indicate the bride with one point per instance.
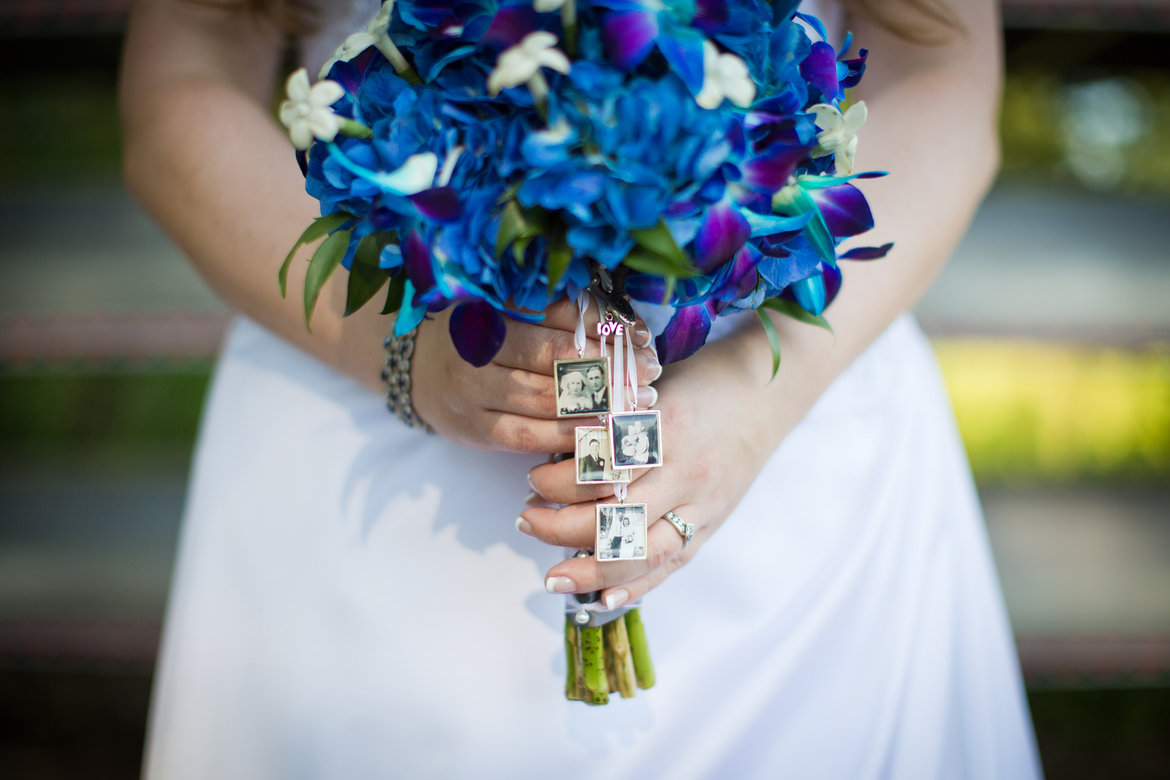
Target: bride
{"x": 356, "y": 598}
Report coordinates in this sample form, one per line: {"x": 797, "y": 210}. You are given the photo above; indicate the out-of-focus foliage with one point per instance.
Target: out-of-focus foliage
{"x": 1043, "y": 413}
{"x": 1104, "y": 132}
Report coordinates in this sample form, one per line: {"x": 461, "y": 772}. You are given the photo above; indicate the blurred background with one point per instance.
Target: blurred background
{"x": 1052, "y": 325}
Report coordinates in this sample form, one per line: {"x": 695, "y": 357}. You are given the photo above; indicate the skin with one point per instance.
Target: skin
{"x": 201, "y": 149}
{"x": 932, "y": 122}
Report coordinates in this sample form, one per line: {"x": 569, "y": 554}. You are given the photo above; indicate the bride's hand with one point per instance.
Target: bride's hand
{"x": 510, "y": 404}
{"x": 714, "y": 445}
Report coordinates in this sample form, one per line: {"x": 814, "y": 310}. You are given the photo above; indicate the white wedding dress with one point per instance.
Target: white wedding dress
{"x": 352, "y": 600}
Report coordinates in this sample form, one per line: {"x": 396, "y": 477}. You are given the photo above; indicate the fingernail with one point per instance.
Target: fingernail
{"x": 523, "y": 526}
{"x": 616, "y": 598}
{"x": 528, "y": 499}
{"x": 653, "y": 368}
{"x": 559, "y": 585}
{"x": 647, "y": 397}
{"x": 530, "y": 482}
{"x": 642, "y": 335}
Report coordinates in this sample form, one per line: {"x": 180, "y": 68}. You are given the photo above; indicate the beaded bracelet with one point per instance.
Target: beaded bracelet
{"x": 396, "y": 375}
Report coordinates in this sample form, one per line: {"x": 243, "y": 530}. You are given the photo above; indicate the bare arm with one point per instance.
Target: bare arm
{"x": 205, "y": 158}
{"x": 932, "y": 124}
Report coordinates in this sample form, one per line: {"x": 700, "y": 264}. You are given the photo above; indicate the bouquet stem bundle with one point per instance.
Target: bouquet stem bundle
{"x": 612, "y": 658}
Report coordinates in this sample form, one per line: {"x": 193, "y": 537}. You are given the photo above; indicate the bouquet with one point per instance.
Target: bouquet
{"x": 496, "y": 156}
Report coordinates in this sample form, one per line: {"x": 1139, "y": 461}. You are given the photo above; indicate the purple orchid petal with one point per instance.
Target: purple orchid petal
{"x": 629, "y": 36}
{"x": 832, "y": 282}
{"x": 820, "y": 69}
{"x": 509, "y": 26}
{"x": 868, "y": 252}
{"x": 647, "y": 288}
{"x": 711, "y": 15}
{"x": 685, "y": 333}
{"x": 810, "y": 293}
{"x": 844, "y": 209}
{"x": 743, "y": 276}
{"x": 855, "y": 69}
{"x": 722, "y": 233}
{"x": 440, "y": 204}
{"x": 683, "y": 49}
{"x": 417, "y": 261}
{"x": 770, "y": 172}
{"x": 478, "y": 332}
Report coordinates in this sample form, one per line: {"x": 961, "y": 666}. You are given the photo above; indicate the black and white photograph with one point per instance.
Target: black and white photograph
{"x": 595, "y": 457}
{"x": 637, "y": 439}
{"x": 582, "y": 386}
{"x": 621, "y": 532}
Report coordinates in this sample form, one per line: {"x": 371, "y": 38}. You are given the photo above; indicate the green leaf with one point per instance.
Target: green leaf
{"x": 773, "y": 340}
{"x": 394, "y": 294}
{"x": 518, "y": 227}
{"x": 321, "y": 267}
{"x": 658, "y": 240}
{"x": 646, "y": 262}
{"x": 365, "y": 277}
{"x": 318, "y": 228}
{"x": 512, "y": 225}
{"x": 793, "y": 309}
{"x": 559, "y": 256}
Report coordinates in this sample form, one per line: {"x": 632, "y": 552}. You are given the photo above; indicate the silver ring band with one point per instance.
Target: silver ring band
{"x": 686, "y": 529}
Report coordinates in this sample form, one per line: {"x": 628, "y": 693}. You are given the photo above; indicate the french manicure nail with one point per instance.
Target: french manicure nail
{"x": 653, "y": 368}
{"x": 523, "y": 526}
{"x": 559, "y": 585}
{"x": 647, "y": 397}
{"x": 616, "y": 598}
{"x": 642, "y": 334}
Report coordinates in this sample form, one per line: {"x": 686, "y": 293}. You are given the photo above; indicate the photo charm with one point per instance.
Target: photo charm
{"x": 621, "y": 532}
{"x": 582, "y": 386}
{"x": 594, "y": 457}
{"x": 636, "y": 439}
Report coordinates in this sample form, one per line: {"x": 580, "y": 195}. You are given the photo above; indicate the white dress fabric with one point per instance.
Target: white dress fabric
{"x": 352, "y": 600}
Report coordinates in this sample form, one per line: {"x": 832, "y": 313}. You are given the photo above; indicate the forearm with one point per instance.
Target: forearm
{"x": 205, "y": 158}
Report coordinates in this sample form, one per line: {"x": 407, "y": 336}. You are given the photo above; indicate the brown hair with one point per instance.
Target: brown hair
{"x": 933, "y": 21}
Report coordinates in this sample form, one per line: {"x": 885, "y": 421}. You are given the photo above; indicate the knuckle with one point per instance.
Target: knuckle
{"x": 522, "y": 437}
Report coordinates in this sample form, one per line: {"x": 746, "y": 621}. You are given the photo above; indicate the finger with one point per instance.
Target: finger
{"x": 510, "y": 432}
{"x": 629, "y": 592}
{"x": 584, "y": 575}
{"x": 557, "y": 483}
{"x": 564, "y": 315}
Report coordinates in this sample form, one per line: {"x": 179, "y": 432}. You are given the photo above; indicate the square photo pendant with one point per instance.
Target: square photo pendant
{"x": 636, "y": 438}
{"x": 621, "y": 532}
{"x": 582, "y": 386}
{"x": 594, "y": 457}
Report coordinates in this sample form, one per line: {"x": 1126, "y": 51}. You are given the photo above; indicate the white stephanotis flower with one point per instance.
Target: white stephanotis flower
{"x": 724, "y": 76}
{"x": 307, "y": 113}
{"x": 521, "y": 63}
{"x": 838, "y": 134}
{"x": 375, "y": 34}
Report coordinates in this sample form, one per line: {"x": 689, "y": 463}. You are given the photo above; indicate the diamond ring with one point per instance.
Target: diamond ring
{"x": 686, "y": 529}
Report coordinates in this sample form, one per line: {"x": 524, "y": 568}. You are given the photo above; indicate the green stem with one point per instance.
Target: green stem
{"x": 643, "y": 668}
{"x": 574, "y": 679}
{"x": 593, "y": 662}
{"x": 354, "y": 129}
{"x": 569, "y": 26}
